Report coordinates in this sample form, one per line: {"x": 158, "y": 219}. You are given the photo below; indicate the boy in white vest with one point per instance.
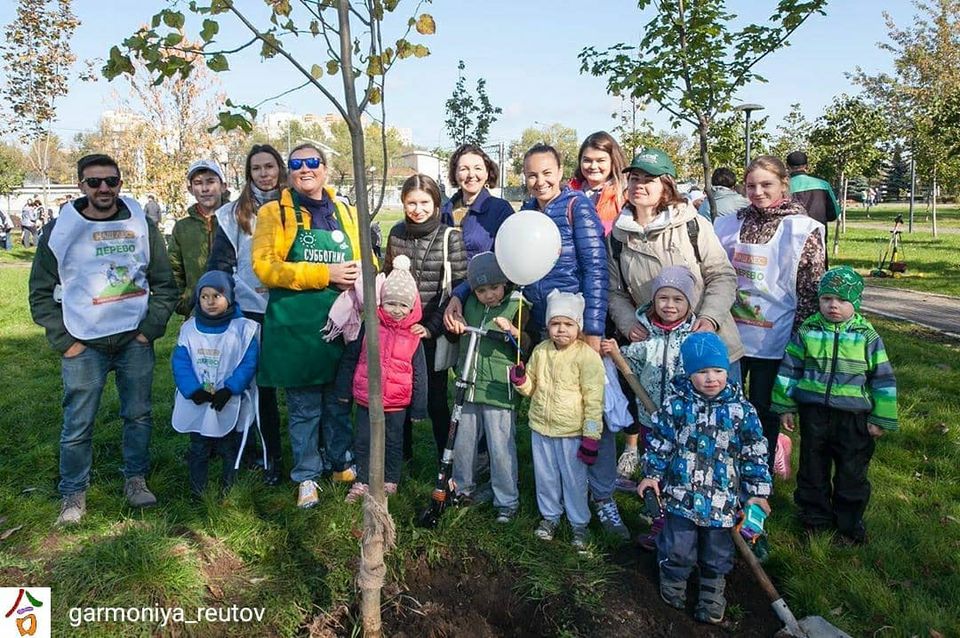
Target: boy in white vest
{"x": 102, "y": 288}
{"x": 214, "y": 365}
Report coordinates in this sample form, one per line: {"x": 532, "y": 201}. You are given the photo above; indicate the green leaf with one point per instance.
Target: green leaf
{"x": 173, "y": 39}
{"x": 210, "y": 29}
{"x": 426, "y": 24}
{"x": 375, "y": 95}
{"x": 271, "y": 46}
{"x": 314, "y": 28}
{"x": 155, "y": 22}
{"x": 375, "y": 65}
{"x": 218, "y": 63}
{"x": 333, "y": 67}
{"x": 316, "y": 71}
{"x": 420, "y": 51}
{"x": 116, "y": 64}
{"x": 173, "y": 19}
{"x": 219, "y": 6}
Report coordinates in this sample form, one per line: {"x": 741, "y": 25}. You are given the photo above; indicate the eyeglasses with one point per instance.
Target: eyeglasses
{"x": 297, "y": 164}
{"x": 94, "y": 182}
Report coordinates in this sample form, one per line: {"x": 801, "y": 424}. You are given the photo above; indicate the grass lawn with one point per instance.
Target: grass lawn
{"x": 256, "y": 549}
{"x": 933, "y": 264}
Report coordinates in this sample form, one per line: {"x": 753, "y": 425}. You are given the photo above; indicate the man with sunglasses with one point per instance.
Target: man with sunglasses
{"x": 193, "y": 235}
{"x": 102, "y": 288}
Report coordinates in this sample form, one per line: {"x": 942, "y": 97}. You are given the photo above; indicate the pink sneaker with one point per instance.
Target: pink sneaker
{"x": 781, "y": 461}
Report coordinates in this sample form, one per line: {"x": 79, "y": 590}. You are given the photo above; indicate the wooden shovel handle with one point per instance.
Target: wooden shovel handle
{"x": 755, "y": 566}
{"x": 632, "y": 381}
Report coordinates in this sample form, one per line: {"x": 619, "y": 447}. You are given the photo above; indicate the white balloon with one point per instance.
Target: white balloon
{"x": 527, "y": 247}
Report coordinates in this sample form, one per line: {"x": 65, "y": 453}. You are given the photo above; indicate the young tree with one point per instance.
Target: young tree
{"x": 792, "y": 133}
{"x": 691, "y": 64}
{"x": 469, "y": 117}
{"x": 922, "y": 95}
{"x": 728, "y": 146}
{"x": 36, "y": 62}
{"x": 12, "y": 168}
{"x": 847, "y": 139}
{"x": 563, "y": 138}
{"x": 362, "y": 61}
{"x": 631, "y": 129}
{"x": 897, "y": 179}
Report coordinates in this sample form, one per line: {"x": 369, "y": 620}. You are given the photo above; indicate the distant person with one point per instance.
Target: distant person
{"x": 29, "y": 217}
{"x": 841, "y": 414}
{"x": 6, "y": 231}
{"x": 193, "y": 235}
{"x": 102, "y": 288}
{"x": 727, "y": 199}
{"x": 814, "y": 194}
{"x": 695, "y": 197}
{"x": 152, "y": 209}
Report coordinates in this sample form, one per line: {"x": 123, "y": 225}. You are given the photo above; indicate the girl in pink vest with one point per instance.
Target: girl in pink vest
{"x": 403, "y": 374}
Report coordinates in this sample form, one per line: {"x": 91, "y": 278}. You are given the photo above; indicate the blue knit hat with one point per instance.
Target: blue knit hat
{"x": 223, "y": 283}
{"x": 703, "y": 350}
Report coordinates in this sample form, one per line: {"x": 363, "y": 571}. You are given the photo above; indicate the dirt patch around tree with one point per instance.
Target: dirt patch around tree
{"x": 477, "y": 598}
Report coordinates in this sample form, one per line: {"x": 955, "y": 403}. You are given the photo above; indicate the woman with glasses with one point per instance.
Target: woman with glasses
{"x": 265, "y": 172}
{"x": 306, "y": 250}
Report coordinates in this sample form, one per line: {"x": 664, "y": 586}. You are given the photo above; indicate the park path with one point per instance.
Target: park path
{"x": 939, "y": 312}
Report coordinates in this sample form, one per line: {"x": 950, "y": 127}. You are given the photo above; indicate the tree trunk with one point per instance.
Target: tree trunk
{"x": 378, "y": 531}
{"x": 933, "y": 200}
{"x": 703, "y": 131}
{"x": 839, "y": 228}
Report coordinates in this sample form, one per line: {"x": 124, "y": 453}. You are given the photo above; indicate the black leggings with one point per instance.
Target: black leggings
{"x": 762, "y": 373}
{"x": 438, "y": 407}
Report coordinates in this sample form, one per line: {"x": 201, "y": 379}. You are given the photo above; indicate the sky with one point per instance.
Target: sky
{"x": 527, "y": 51}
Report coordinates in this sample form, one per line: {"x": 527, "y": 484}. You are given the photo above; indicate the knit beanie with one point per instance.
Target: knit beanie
{"x": 679, "y": 278}
{"x": 399, "y": 286}
{"x": 566, "y": 304}
{"x": 843, "y": 282}
{"x": 483, "y": 270}
{"x": 703, "y": 350}
{"x": 219, "y": 281}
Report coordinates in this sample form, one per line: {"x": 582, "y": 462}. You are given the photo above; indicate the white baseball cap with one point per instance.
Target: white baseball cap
{"x": 205, "y": 165}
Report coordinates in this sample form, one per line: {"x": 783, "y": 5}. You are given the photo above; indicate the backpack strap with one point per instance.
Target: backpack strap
{"x": 616, "y": 249}
{"x": 447, "y": 281}
{"x": 693, "y": 232}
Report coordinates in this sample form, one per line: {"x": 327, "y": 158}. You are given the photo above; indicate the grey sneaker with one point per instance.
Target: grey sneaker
{"x": 135, "y": 489}
{"x": 609, "y": 517}
{"x": 505, "y": 515}
{"x": 545, "y": 530}
{"x": 72, "y": 509}
{"x": 580, "y": 539}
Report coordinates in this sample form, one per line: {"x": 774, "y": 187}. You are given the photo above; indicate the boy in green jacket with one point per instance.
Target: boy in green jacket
{"x": 490, "y": 408}
{"x": 836, "y": 375}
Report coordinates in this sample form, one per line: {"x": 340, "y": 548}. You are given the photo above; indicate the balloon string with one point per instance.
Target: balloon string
{"x": 520, "y": 324}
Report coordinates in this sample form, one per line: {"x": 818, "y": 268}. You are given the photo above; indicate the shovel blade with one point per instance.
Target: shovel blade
{"x": 818, "y": 627}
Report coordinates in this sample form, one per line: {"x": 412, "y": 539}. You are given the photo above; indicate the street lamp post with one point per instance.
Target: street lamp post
{"x": 747, "y": 109}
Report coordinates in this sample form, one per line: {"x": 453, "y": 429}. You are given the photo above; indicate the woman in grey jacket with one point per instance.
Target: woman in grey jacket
{"x": 659, "y": 228}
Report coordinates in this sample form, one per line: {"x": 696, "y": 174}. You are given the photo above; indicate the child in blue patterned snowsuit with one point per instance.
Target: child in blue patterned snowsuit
{"x": 705, "y": 452}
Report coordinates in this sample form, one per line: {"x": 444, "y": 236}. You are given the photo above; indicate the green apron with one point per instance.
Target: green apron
{"x": 294, "y": 353}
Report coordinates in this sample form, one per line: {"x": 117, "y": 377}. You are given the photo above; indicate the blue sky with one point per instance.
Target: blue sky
{"x": 526, "y": 49}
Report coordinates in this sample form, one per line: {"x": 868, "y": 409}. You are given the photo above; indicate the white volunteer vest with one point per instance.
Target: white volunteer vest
{"x": 250, "y": 293}
{"x": 214, "y": 358}
{"x": 102, "y": 267}
{"x": 766, "y": 299}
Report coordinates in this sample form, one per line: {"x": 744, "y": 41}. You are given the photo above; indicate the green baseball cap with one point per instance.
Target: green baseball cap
{"x": 652, "y": 161}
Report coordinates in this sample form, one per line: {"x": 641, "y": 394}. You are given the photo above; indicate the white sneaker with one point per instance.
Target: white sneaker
{"x": 308, "y": 495}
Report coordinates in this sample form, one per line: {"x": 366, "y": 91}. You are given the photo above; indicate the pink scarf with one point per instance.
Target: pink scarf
{"x": 346, "y": 313}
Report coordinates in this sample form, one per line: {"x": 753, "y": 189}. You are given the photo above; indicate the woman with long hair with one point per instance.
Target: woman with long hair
{"x": 265, "y": 173}
{"x": 775, "y": 242}
{"x": 599, "y": 175}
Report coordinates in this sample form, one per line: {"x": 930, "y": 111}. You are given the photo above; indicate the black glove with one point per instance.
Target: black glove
{"x": 220, "y": 398}
{"x": 201, "y": 396}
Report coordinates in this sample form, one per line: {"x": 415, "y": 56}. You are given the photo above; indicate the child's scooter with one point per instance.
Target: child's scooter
{"x": 444, "y": 488}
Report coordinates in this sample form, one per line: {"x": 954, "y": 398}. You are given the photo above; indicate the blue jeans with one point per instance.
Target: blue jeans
{"x": 84, "y": 377}
{"x": 682, "y": 544}
{"x": 7, "y": 240}
{"x": 308, "y": 409}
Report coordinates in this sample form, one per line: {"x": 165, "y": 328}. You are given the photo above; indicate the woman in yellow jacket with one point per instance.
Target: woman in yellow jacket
{"x": 565, "y": 380}
{"x": 306, "y": 250}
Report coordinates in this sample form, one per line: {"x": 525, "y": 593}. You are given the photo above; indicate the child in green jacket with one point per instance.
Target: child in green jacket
{"x": 836, "y": 375}
{"x": 490, "y": 408}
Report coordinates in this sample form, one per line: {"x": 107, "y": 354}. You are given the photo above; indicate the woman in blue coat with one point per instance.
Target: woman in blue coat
{"x": 472, "y": 208}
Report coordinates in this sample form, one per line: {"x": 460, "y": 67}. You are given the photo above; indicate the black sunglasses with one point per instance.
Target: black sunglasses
{"x": 94, "y": 182}
{"x": 297, "y": 164}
